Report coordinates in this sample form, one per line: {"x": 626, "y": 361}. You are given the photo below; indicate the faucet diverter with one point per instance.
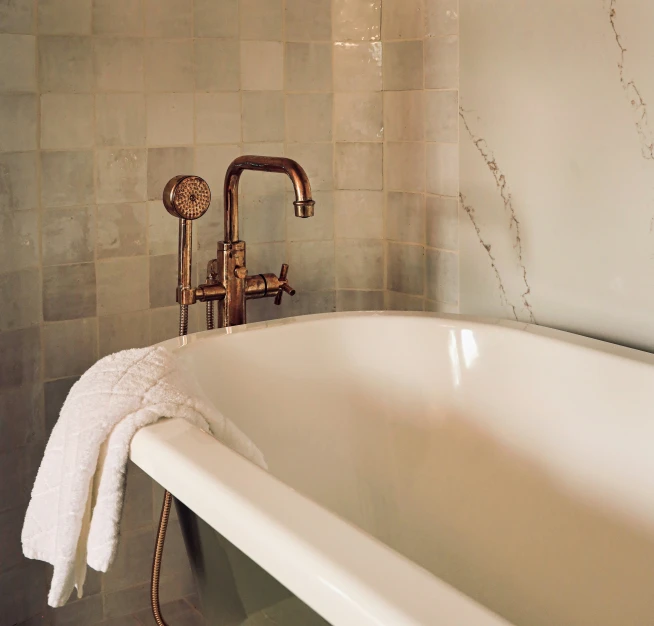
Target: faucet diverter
{"x": 303, "y": 204}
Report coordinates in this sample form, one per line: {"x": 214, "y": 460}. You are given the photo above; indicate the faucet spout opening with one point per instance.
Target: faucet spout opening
{"x": 304, "y": 208}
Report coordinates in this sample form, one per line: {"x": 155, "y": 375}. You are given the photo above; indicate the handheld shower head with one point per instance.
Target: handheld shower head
{"x": 187, "y": 197}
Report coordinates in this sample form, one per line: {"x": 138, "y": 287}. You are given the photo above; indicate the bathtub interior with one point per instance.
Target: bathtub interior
{"x": 514, "y": 467}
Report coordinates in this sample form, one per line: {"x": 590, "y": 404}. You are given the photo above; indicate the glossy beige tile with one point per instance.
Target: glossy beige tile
{"x": 358, "y": 116}
{"x": 17, "y": 63}
{"x": 118, "y": 17}
{"x": 359, "y": 166}
{"x": 262, "y": 65}
{"x": 217, "y": 118}
{"x": 120, "y": 119}
{"x": 65, "y": 64}
{"x": 20, "y": 300}
{"x": 308, "y": 20}
{"x": 442, "y": 276}
{"x": 163, "y": 164}
{"x": 404, "y": 166}
{"x": 217, "y": 65}
{"x": 357, "y": 66}
{"x": 121, "y": 230}
{"x": 405, "y": 268}
{"x": 359, "y": 214}
{"x": 168, "y": 18}
{"x": 169, "y": 119}
{"x": 19, "y": 240}
{"x": 67, "y": 178}
{"x": 402, "y": 19}
{"x": 18, "y": 173}
{"x": 442, "y": 62}
{"x": 360, "y": 264}
{"x": 403, "y": 65}
{"x": 443, "y": 169}
{"x": 68, "y": 236}
{"x": 120, "y": 175}
{"x": 263, "y": 116}
{"x": 405, "y": 217}
{"x": 216, "y": 19}
{"x": 261, "y": 19}
{"x": 317, "y": 160}
{"x": 356, "y": 21}
{"x": 66, "y": 121}
{"x": 442, "y": 17}
{"x": 17, "y": 16}
{"x": 69, "y": 292}
{"x": 309, "y": 117}
{"x": 308, "y": 67}
{"x": 404, "y": 116}
{"x": 442, "y": 223}
{"x": 169, "y": 65}
{"x": 18, "y": 122}
{"x": 442, "y": 116}
{"x": 118, "y": 63}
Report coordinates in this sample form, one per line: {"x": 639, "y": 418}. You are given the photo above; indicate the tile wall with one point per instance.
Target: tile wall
{"x": 101, "y": 102}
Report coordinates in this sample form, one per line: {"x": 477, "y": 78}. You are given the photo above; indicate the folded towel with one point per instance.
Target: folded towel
{"x": 74, "y": 512}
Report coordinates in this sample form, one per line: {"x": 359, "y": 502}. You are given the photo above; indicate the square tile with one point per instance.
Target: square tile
{"x": 359, "y": 166}
{"x": 405, "y": 268}
{"x": 404, "y": 166}
{"x": 356, "y": 21}
{"x": 164, "y": 164}
{"x": 217, "y": 65}
{"x": 17, "y": 175}
{"x": 80, "y": 612}
{"x": 403, "y": 65}
{"x": 66, "y": 121}
{"x": 18, "y": 122}
{"x": 169, "y": 119}
{"x": 168, "y": 18}
{"x": 442, "y": 17}
{"x": 138, "y": 503}
{"x": 164, "y": 324}
{"x": 20, "y": 300}
{"x": 308, "y": 67}
{"x": 118, "y": 64}
{"x": 313, "y": 265}
{"x": 20, "y": 357}
{"x": 308, "y": 303}
{"x": 122, "y": 285}
{"x": 442, "y": 116}
{"x": 358, "y": 116}
{"x": 308, "y": 20}
{"x": 262, "y": 65}
{"x": 442, "y": 223}
{"x": 359, "y": 214}
{"x": 17, "y": 16}
{"x": 442, "y": 276}
{"x": 132, "y": 564}
{"x": 360, "y": 264}
{"x": 216, "y": 19}
{"x": 169, "y": 65}
{"x": 262, "y": 217}
{"x": 66, "y": 178}
{"x": 163, "y": 280}
{"x": 405, "y": 217}
{"x": 19, "y": 467}
{"x": 65, "y": 64}
{"x": 441, "y": 307}
{"x": 217, "y": 118}
{"x": 357, "y": 66}
{"x": 65, "y": 17}
{"x": 121, "y": 175}
{"x": 70, "y": 348}
{"x": 211, "y": 162}
{"x": 263, "y": 116}
{"x": 118, "y": 17}
{"x": 19, "y": 240}
{"x": 69, "y": 292}
{"x": 123, "y": 332}
{"x": 120, "y": 119}
{"x": 261, "y": 20}
{"x": 402, "y": 302}
{"x": 163, "y": 230}
{"x": 317, "y": 161}
{"x": 404, "y": 116}
{"x": 318, "y": 227}
{"x": 56, "y": 392}
{"x": 121, "y": 230}
{"x": 309, "y": 117}
{"x": 68, "y": 236}
{"x": 352, "y": 300}
{"x": 443, "y": 169}
{"x": 402, "y": 19}
{"x": 442, "y": 62}
{"x": 17, "y": 63}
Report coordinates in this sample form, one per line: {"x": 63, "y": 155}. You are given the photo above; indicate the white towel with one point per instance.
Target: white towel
{"x": 74, "y": 512}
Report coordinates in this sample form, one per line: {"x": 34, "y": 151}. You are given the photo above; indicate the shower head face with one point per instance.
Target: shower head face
{"x": 187, "y": 197}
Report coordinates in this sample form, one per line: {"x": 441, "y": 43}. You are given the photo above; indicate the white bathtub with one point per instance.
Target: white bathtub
{"x": 425, "y": 470}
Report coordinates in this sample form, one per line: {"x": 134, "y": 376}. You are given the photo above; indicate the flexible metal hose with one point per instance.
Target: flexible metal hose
{"x": 165, "y": 510}
{"x": 210, "y": 321}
